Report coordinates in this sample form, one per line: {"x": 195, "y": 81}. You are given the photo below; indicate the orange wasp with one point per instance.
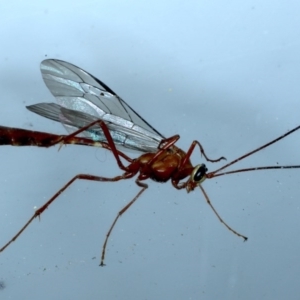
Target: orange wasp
{"x": 96, "y": 116}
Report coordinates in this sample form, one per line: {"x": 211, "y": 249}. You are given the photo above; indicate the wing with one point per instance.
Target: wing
{"x": 82, "y": 99}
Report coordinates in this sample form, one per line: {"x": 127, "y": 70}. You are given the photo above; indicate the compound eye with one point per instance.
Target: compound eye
{"x": 199, "y": 173}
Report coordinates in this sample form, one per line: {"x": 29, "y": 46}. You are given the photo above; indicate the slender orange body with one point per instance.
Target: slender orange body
{"x": 107, "y": 121}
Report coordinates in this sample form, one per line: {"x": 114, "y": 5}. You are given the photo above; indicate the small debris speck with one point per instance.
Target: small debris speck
{"x": 2, "y": 285}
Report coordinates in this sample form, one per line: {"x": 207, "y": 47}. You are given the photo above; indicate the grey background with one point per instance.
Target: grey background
{"x": 224, "y": 73}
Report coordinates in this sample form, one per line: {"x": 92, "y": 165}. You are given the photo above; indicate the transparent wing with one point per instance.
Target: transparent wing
{"x": 82, "y": 99}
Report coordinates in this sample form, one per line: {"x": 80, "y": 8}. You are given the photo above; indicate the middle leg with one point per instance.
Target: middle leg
{"x": 120, "y": 213}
